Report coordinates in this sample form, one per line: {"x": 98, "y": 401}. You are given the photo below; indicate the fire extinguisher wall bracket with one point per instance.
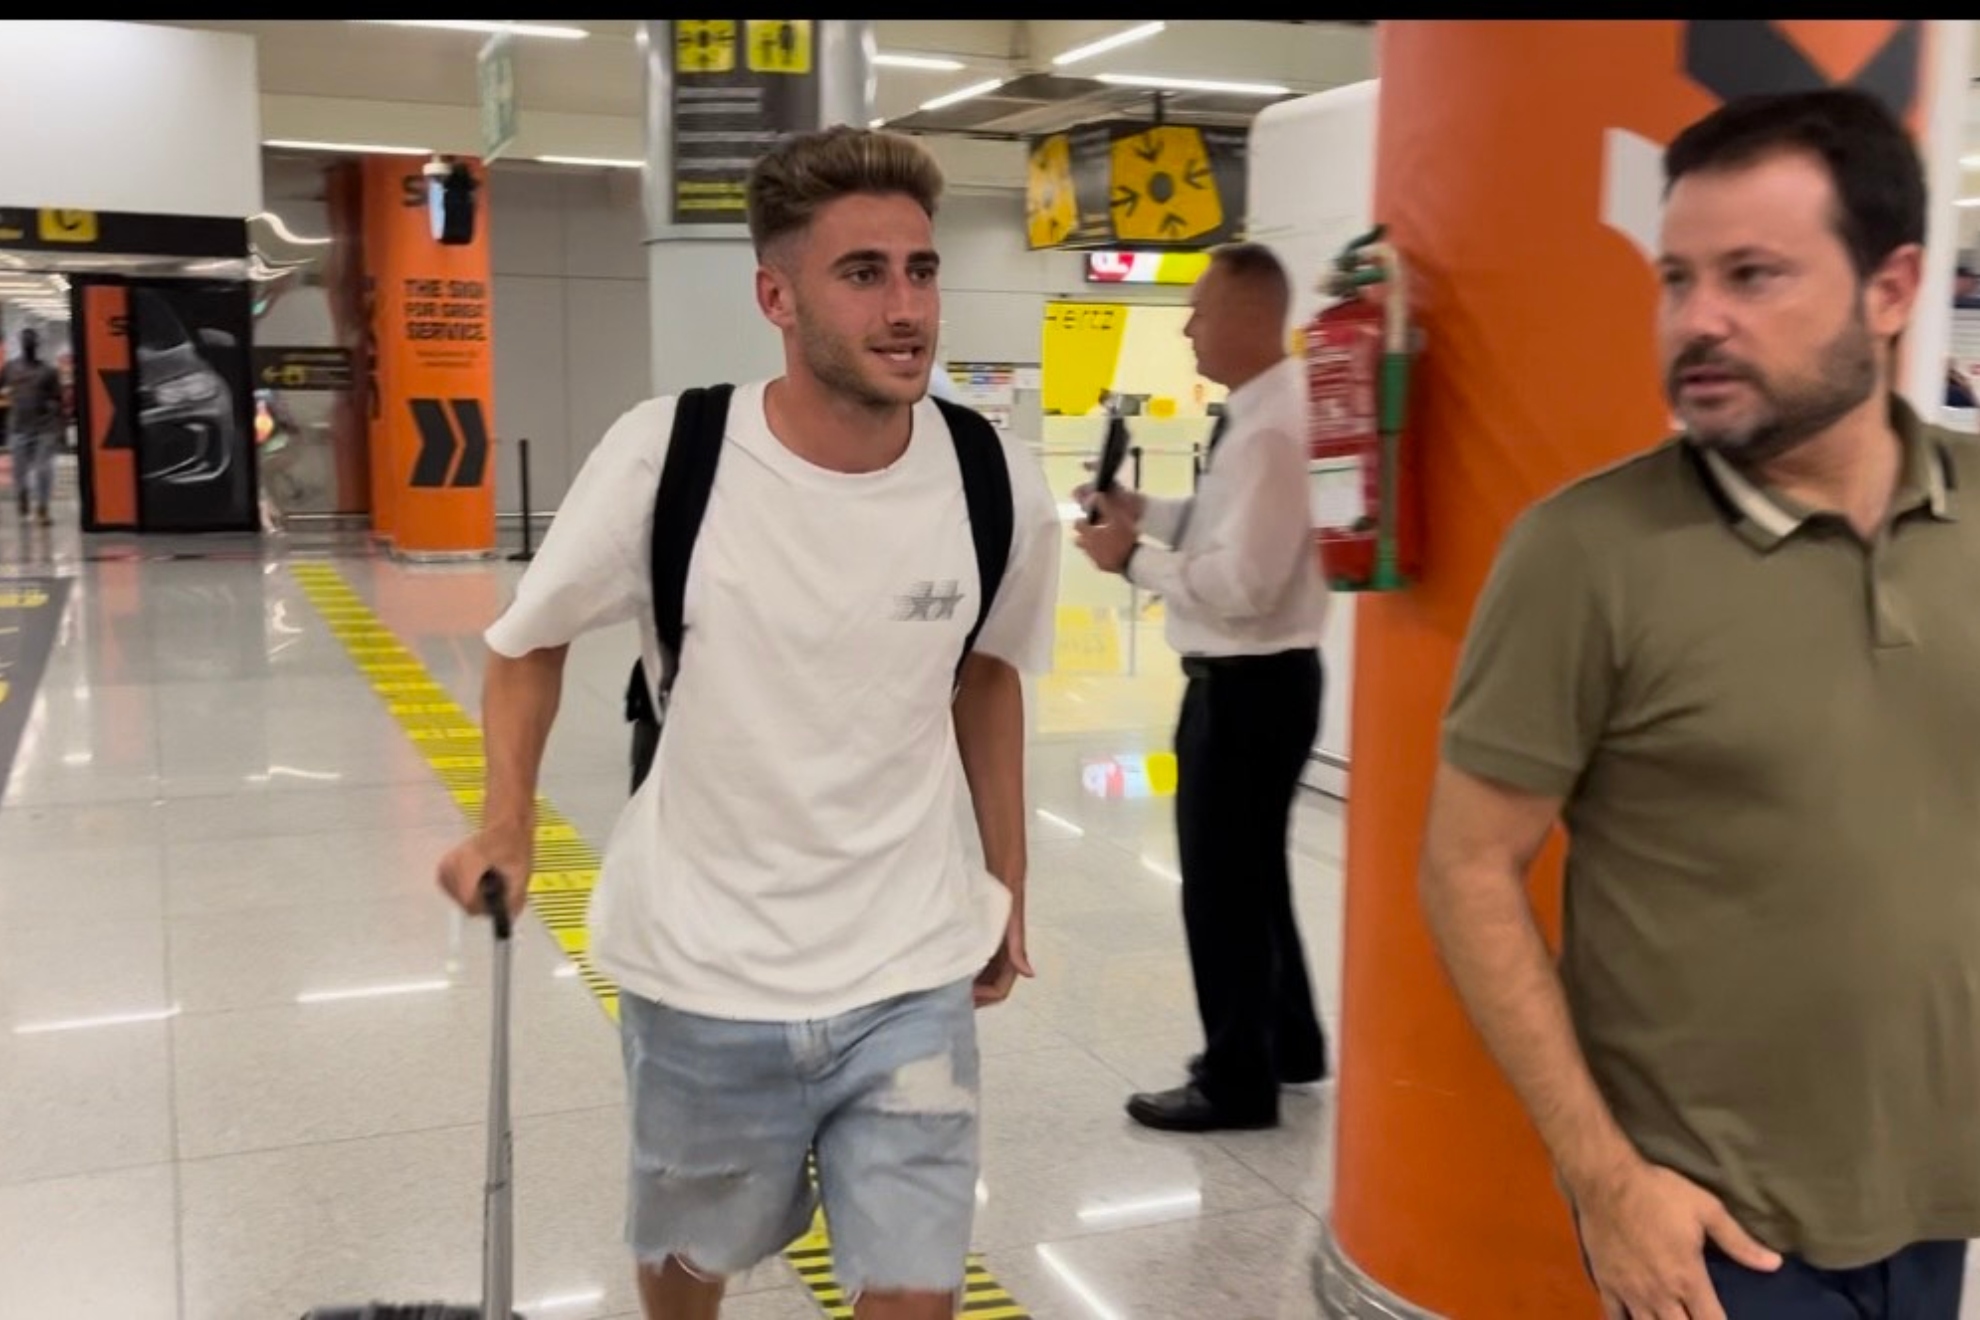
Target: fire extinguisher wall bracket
{"x": 1358, "y": 372}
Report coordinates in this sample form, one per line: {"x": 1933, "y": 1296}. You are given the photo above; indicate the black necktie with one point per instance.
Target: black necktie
{"x": 1217, "y": 431}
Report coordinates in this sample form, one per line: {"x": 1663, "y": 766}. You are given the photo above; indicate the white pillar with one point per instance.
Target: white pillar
{"x": 700, "y": 277}
{"x": 1929, "y": 337}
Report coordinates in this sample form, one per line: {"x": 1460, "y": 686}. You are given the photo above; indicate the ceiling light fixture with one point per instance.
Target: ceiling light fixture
{"x": 1968, "y": 201}
{"x": 931, "y": 63}
{"x": 356, "y": 148}
{"x": 1105, "y": 44}
{"x": 961, "y": 94}
{"x": 605, "y": 162}
{"x": 484, "y": 25}
{"x": 1161, "y": 83}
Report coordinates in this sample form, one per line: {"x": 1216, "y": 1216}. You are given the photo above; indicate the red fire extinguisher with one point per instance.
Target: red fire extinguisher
{"x": 1361, "y": 466}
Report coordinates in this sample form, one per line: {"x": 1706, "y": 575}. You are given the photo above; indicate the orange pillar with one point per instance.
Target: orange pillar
{"x": 109, "y": 467}
{"x": 1515, "y": 161}
{"x": 433, "y": 374}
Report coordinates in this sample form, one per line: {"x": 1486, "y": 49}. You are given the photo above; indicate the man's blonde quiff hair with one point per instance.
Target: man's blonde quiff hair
{"x": 807, "y": 170}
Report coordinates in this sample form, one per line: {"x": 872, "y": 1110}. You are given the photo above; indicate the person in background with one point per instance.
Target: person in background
{"x": 35, "y": 420}
{"x": 1959, "y": 390}
{"x": 1739, "y": 669}
{"x": 1966, "y": 283}
{"x": 1245, "y": 601}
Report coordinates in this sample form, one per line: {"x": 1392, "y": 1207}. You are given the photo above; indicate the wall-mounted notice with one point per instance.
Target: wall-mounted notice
{"x": 989, "y": 387}
{"x": 739, "y": 85}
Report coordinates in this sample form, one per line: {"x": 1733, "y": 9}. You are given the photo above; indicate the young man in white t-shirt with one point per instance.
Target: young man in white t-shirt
{"x": 787, "y": 903}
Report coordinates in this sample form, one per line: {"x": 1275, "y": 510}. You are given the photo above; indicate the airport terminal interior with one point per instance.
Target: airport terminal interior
{"x": 244, "y": 1063}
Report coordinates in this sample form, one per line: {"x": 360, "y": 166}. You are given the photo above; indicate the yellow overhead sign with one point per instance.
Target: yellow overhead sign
{"x": 60, "y": 226}
{"x": 780, "y": 45}
{"x": 704, "y": 45}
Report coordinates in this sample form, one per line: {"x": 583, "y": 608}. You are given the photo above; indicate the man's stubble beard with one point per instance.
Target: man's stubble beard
{"x": 836, "y": 366}
{"x": 1793, "y": 413}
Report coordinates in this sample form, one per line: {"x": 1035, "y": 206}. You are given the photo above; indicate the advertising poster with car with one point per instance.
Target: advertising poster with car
{"x": 195, "y": 450}
{"x": 164, "y": 406}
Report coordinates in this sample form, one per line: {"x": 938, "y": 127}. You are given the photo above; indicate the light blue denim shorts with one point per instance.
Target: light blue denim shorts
{"x": 725, "y": 1113}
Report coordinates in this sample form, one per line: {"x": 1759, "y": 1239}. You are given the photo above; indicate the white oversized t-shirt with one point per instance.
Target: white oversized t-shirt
{"x": 797, "y": 851}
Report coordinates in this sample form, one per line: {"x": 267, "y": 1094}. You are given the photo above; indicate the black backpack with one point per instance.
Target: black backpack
{"x": 686, "y": 480}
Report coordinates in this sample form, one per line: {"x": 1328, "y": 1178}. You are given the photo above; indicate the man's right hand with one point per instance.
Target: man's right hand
{"x": 1132, "y": 500}
{"x": 507, "y": 852}
{"x": 1645, "y": 1229}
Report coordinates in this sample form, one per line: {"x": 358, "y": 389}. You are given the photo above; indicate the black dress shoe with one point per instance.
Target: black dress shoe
{"x": 1187, "y": 1109}
{"x": 1196, "y": 1074}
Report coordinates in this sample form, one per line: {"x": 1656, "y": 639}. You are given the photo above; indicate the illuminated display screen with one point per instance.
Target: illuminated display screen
{"x": 1115, "y": 267}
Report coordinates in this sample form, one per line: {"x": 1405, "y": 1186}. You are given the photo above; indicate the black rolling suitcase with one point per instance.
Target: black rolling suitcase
{"x": 497, "y": 1237}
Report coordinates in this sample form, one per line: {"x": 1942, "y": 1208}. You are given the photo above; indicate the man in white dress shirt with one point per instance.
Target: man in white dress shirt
{"x": 1237, "y": 570}
{"x": 798, "y": 933}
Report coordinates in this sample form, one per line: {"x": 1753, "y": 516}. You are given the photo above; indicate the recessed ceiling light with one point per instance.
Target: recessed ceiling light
{"x": 1161, "y": 83}
{"x": 358, "y": 148}
{"x": 963, "y": 94}
{"x": 1105, "y": 44}
{"x": 932, "y": 63}
{"x": 484, "y": 25}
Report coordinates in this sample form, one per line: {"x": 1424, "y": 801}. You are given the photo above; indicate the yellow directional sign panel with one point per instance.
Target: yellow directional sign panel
{"x": 59, "y": 226}
{"x": 1163, "y": 189}
{"x": 780, "y": 45}
{"x": 704, "y": 45}
{"x": 1051, "y": 208}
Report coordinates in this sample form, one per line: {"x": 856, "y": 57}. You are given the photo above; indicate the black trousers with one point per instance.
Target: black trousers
{"x": 1247, "y": 727}
{"x": 1919, "y": 1283}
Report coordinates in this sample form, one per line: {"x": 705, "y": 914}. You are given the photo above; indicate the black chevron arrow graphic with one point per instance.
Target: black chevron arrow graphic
{"x": 1737, "y": 57}
{"x": 117, "y": 426}
{"x": 1126, "y": 196}
{"x": 1149, "y": 149}
{"x": 1197, "y": 175}
{"x": 436, "y": 443}
{"x": 473, "y": 427}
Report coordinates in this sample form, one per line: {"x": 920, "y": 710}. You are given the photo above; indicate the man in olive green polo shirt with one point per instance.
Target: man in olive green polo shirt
{"x": 1743, "y": 670}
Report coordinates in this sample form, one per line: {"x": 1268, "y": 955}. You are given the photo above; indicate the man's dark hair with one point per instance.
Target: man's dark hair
{"x": 1871, "y": 159}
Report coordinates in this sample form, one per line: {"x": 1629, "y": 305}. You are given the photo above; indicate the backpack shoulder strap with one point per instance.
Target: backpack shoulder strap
{"x": 687, "y": 478}
{"x": 986, "y": 479}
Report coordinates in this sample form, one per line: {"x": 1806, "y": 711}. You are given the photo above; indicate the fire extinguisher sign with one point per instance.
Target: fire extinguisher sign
{"x": 1342, "y": 376}
{"x": 1343, "y": 371}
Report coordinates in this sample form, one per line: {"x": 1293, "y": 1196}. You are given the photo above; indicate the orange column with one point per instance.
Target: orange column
{"x": 1518, "y": 170}
{"x": 433, "y": 382}
{"x": 109, "y": 470}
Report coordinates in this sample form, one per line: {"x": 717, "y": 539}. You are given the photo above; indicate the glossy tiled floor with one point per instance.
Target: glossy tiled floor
{"x": 243, "y": 1066}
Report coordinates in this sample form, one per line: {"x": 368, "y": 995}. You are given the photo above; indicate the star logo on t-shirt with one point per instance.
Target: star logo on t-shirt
{"x": 929, "y": 602}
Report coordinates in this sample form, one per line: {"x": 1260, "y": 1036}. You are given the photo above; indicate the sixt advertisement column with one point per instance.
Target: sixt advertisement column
{"x": 1519, "y": 171}
{"x": 431, "y": 382}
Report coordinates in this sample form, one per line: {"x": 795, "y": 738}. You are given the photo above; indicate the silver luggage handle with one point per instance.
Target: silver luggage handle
{"x": 498, "y": 1220}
